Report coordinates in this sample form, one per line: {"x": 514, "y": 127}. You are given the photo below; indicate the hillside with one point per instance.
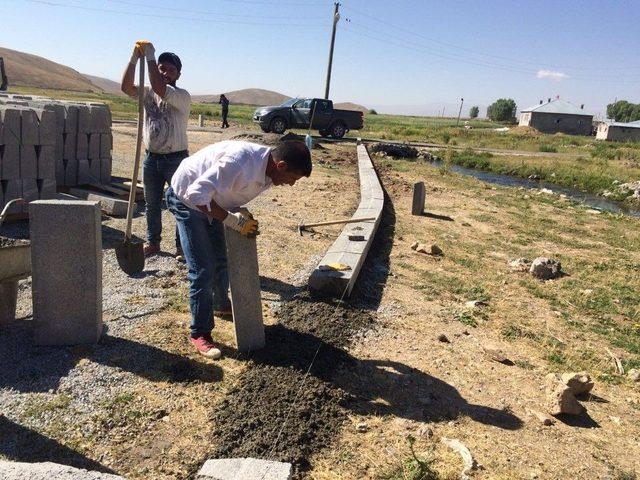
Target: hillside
{"x": 24, "y": 69}
{"x": 351, "y": 106}
{"x": 248, "y": 96}
{"x": 106, "y": 85}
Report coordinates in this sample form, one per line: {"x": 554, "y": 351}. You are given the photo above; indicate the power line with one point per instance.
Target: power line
{"x": 451, "y": 45}
{"x": 172, "y": 17}
{"x": 411, "y": 45}
{"x": 209, "y": 12}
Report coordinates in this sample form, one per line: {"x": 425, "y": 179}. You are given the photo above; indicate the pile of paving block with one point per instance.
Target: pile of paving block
{"x": 46, "y": 144}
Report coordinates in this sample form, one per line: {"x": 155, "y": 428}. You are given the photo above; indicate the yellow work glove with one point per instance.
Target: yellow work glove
{"x": 243, "y": 223}
{"x": 147, "y": 49}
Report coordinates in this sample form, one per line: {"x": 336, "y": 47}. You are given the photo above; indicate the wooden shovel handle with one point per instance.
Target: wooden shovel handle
{"x": 136, "y": 163}
{"x": 336, "y": 222}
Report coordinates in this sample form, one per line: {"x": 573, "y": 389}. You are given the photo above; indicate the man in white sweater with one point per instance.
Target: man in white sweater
{"x": 206, "y": 191}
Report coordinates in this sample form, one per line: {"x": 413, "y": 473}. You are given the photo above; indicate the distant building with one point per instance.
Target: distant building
{"x": 557, "y": 115}
{"x": 619, "y": 132}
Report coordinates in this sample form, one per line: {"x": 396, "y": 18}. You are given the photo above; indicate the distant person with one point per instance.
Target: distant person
{"x": 164, "y": 134}
{"x": 224, "y": 101}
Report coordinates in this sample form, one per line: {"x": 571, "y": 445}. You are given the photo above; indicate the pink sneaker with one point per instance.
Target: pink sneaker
{"x": 204, "y": 345}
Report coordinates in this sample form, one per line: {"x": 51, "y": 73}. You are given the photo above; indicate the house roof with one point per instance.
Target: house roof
{"x": 557, "y": 105}
{"x": 635, "y": 124}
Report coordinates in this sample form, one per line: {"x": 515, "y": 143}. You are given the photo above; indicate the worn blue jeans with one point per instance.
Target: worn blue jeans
{"x": 204, "y": 249}
{"x": 157, "y": 169}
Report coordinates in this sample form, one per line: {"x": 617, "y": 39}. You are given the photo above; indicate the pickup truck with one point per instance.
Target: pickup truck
{"x": 297, "y": 112}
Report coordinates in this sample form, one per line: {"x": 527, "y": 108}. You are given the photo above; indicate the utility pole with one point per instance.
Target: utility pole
{"x": 336, "y": 17}
{"x": 460, "y": 111}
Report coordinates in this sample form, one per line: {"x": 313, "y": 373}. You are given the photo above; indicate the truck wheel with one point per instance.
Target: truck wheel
{"x": 338, "y": 130}
{"x": 265, "y": 129}
{"x": 278, "y": 125}
{"x": 323, "y": 133}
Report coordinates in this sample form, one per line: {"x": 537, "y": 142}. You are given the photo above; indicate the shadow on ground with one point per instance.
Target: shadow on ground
{"x": 39, "y": 369}
{"x": 21, "y": 444}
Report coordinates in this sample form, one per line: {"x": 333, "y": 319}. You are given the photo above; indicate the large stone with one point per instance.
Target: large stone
{"x": 8, "y": 300}
{"x": 106, "y": 144}
{"x": 244, "y": 281}
{"x": 560, "y": 400}
{"x": 520, "y": 265}
{"x": 545, "y": 268}
{"x": 82, "y": 145}
{"x": 69, "y": 145}
{"x": 244, "y": 469}
{"x": 419, "y": 195}
{"x": 10, "y": 125}
{"x": 94, "y": 146}
{"x": 49, "y": 471}
{"x": 47, "y": 189}
{"x": 71, "y": 171}
{"x": 66, "y": 258}
{"x": 12, "y": 189}
{"x": 579, "y": 383}
{"x": 105, "y": 170}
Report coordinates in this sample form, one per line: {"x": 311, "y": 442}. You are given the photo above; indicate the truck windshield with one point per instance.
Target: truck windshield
{"x": 289, "y": 102}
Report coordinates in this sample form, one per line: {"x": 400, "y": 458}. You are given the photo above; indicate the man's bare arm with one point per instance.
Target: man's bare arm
{"x": 156, "y": 80}
{"x": 127, "y": 85}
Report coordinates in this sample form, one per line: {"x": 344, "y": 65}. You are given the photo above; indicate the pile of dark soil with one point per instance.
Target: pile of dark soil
{"x": 395, "y": 150}
{"x": 277, "y": 411}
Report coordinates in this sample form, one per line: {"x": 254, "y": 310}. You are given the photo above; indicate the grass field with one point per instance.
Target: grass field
{"x": 573, "y": 161}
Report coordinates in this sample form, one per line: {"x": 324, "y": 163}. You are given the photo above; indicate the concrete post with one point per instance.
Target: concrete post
{"x": 419, "y": 195}
{"x": 200, "y": 121}
{"x": 242, "y": 261}
{"x": 66, "y": 258}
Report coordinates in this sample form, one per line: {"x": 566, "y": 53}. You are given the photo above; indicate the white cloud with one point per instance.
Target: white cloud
{"x": 555, "y": 76}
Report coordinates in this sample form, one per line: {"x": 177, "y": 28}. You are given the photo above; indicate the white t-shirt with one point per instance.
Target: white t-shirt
{"x": 231, "y": 172}
{"x": 165, "y": 120}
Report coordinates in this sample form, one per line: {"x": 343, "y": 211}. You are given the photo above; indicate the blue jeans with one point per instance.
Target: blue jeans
{"x": 204, "y": 249}
{"x": 157, "y": 169}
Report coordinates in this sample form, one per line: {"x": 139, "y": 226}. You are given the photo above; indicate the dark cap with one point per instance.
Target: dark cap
{"x": 172, "y": 58}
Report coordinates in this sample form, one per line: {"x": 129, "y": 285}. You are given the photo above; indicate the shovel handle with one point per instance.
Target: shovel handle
{"x": 136, "y": 163}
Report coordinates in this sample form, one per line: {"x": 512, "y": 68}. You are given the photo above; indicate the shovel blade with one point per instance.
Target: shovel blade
{"x": 130, "y": 257}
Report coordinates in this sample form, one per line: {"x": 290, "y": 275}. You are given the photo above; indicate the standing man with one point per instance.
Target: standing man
{"x": 224, "y": 101}
{"x": 222, "y": 177}
{"x": 165, "y": 132}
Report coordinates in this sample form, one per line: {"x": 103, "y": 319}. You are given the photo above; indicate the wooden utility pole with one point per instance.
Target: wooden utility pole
{"x": 460, "y": 111}
{"x": 336, "y": 17}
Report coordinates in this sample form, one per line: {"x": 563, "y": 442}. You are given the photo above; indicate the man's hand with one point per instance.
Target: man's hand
{"x": 147, "y": 49}
{"x": 242, "y": 223}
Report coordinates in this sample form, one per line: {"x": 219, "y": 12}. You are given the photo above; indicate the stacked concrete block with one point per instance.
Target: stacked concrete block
{"x": 66, "y": 261}
{"x": 46, "y": 143}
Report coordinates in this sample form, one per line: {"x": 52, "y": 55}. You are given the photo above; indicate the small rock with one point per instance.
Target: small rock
{"x": 520, "y": 264}
{"x": 466, "y": 224}
{"x": 476, "y": 304}
{"x": 615, "y": 420}
{"x": 414, "y": 245}
{"x": 634, "y": 374}
{"x": 545, "y": 268}
{"x": 498, "y": 356}
{"x": 443, "y": 338}
{"x": 545, "y": 419}
{"x": 362, "y": 427}
{"x": 594, "y": 212}
{"x": 425, "y": 432}
{"x": 429, "y": 249}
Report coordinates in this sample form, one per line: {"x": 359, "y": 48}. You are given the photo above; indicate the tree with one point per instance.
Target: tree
{"x": 502, "y": 110}
{"x": 473, "y": 112}
{"x": 372, "y": 112}
{"x": 623, "y": 111}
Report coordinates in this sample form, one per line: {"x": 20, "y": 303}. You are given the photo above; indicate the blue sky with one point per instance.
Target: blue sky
{"x": 413, "y": 57}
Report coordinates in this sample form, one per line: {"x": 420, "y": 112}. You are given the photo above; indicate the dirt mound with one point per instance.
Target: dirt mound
{"x": 395, "y": 150}
{"x": 523, "y": 130}
{"x": 277, "y": 410}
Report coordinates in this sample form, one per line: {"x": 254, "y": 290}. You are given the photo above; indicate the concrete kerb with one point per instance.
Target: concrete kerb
{"x": 49, "y": 471}
{"x": 352, "y": 253}
{"x": 245, "y": 469}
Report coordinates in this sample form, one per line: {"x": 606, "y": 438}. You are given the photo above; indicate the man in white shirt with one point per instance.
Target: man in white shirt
{"x": 206, "y": 191}
{"x": 164, "y": 133}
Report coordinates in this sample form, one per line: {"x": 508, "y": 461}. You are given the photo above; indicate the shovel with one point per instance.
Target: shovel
{"x": 130, "y": 253}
